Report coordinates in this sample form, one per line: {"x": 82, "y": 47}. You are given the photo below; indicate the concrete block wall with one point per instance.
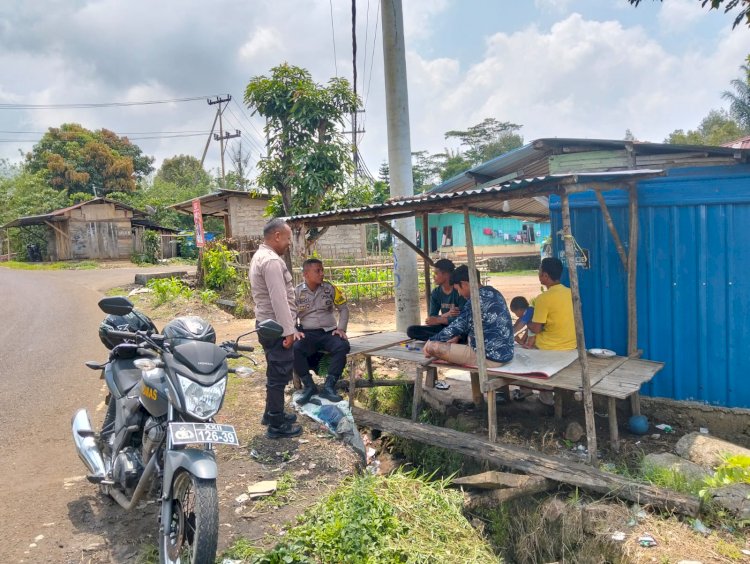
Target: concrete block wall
{"x": 246, "y": 216}
{"x": 342, "y": 241}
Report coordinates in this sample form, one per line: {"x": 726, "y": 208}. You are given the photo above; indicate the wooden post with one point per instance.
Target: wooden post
{"x": 588, "y": 402}
{"x": 635, "y": 399}
{"x": 417, "y": 402}
{"x": 426, "y": 247}
{"x": 476, "y": 314}
{"x": 614, "y": 432}
{"x": 612, "y": 229}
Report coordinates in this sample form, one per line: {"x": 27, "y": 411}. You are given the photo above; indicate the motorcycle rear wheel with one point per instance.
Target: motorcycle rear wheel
{"x": 192, "y": 533}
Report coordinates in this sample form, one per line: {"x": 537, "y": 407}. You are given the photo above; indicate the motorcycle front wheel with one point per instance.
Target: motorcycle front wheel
{"x": 191, "y": 535}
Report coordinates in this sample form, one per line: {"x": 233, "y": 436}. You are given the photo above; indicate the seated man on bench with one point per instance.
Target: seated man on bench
{"x": 316, "y": 300}
{"x": 496, "y": 322}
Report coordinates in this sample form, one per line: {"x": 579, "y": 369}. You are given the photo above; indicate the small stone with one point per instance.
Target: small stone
{"x": 242, "y": 498}
{"x": 311, "y": 465}
{"x": 38, "y": 538}
{"x": 32, "y": 545}
{"x": 93, "y": 547}
{"x": 574, "y": 432}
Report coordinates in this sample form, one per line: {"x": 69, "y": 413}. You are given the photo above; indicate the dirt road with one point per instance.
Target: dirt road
{"x": 50, "y": 321}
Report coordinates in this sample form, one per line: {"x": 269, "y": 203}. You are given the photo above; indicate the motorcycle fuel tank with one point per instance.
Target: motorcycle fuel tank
{"x": 153, "y": 392}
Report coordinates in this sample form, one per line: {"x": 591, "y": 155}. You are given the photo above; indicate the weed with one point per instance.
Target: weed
{"x": 284, "y": 492}
{"x": 208, "y": 296}
{"x": 61, "y": 265}
{"x": 671, "y": 479}
{"x": 241, "y": 549}
{"x": 168, "y": 289}
{"x": 402, "y": 518}
{"x": 148, "y": 554}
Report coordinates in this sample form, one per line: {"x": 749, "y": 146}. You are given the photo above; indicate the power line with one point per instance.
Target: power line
{"x": 96, "y": 105}
{"x": 333, "y": 34}
{"x": 372, "y": 56}
{"x": 250, "y": 140}
{"x": 242, "y": 111}
{"x": 187, "y": 132}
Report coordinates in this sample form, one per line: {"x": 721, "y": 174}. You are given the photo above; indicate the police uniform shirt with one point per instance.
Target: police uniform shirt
{"x": 315, "y": 308}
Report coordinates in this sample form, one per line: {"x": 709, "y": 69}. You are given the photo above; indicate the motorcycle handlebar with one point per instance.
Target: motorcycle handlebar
{"x": 245, "y": 348}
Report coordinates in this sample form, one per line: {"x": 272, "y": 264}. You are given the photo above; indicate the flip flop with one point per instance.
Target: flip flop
{"x": 442, "y": 385}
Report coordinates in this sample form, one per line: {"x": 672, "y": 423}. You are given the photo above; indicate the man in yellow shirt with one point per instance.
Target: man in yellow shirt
{"x": 553, "y": 326}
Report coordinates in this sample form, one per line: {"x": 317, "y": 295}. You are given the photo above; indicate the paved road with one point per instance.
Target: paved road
{"x": 50, "y": 321}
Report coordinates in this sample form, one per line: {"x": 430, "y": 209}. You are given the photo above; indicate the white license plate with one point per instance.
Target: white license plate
{"x": 213, "y": 433}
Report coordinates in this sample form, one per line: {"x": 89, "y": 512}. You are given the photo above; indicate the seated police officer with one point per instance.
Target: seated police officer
{"x": 316, "y": 300}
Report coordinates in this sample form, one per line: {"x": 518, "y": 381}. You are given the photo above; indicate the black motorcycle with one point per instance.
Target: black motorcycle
{"x": 159, "y": 431}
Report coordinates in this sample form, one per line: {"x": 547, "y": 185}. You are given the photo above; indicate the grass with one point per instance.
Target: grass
{"x": 60, "y": 265}
{"x": 285, "y": 487}
{"x": 401, "y": 518}
{"x": 671, "y": 479}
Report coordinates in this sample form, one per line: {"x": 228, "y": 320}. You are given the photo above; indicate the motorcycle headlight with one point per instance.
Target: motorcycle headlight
{"x": 202, "y": 401}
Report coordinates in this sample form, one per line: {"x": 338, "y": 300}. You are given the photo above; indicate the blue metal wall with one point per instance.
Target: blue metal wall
{"x": 692, "y": 280}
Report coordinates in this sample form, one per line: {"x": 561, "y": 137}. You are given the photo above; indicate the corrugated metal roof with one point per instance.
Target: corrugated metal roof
{"x": 533, "y": 159}
{"x": 54, "y": 215}
{"x": 209, "y": 202}
{"x": 524, "y": 199}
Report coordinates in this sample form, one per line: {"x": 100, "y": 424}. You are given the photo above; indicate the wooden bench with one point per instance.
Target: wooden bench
{"x": 614, "y": 378}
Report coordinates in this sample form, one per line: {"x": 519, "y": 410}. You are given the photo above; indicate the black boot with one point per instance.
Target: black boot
{"x": 288, "y": 418}
{"x": 329, "y": 391}
{"x": 278, "y": 428}
{"x": 308, "y": 391}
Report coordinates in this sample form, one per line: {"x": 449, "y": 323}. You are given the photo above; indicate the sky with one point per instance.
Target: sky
{"x": 559, "y": 68}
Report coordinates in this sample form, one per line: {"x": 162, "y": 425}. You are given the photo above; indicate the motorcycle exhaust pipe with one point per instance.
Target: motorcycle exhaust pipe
{"x": 83, "y": 436}
{"x": 143, "y": 485}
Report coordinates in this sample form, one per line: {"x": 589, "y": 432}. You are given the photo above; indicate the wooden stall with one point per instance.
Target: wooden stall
{"x": 527, "y": 199}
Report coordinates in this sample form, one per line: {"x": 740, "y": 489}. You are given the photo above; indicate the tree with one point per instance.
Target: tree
{"x": 309, "y": 160}
{"x": 488, "y": 139}
{"x": 728, "y": 5}
{"x": 74, "y": 159}
{"x": 739, "y": 100}
{"x": 715, "y": 129}
{"x": 238, "y": 178}
{"x": 185, "y": 171}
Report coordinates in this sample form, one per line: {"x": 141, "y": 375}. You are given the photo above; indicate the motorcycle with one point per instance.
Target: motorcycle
{"x": 159, "y": 430}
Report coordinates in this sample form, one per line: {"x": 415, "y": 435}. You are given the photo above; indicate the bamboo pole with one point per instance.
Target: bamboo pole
{"x": 426, "y": 246}
{"x": 612, "y": 229}
{"x": 476, "y": 313}
{"x": 588, "y": 402}
{"x": 635, "y": 399}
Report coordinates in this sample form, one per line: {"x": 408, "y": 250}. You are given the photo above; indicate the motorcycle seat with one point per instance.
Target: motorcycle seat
{"x": 125, "y": 375}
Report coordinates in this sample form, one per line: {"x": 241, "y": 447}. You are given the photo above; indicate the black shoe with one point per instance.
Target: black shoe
{"x": 283, "y": 431}
{"x": 288, "y": 418}
{"x": 330, "y": 394}
{"x": 307, "y": 393}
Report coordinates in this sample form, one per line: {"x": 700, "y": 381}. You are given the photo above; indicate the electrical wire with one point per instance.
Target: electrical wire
{"x": 97, "y": 105}
{"x": 372, "y": 57}
{"x": 333, "y": 34}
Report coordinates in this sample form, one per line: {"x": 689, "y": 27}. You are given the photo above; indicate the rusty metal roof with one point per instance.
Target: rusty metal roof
{"x": 58, "y": 215}
{"x": 523, "y": 199}
{"x": 215, "y": 204}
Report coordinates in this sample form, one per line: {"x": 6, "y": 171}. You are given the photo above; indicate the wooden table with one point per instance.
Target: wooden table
{"x": 614, "y": 378}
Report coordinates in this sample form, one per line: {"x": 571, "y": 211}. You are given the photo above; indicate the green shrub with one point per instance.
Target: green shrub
{"x": 151, "y": 246}
{"x": 168, "y": 289}
{"x": 218, "y": 271}
{"x": 734, "y": 470}
{"x": 376, "y": 519}
{"x": 208, "y": 296}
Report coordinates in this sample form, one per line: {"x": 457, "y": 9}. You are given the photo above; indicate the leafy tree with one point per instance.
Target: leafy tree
{"x": 739, "y": 100}
{"x": 309, "y": 159}
{"x": 728, "y": 5}
{"x": 715, "y": 129}
{"x": 487, "y": 139}
{"x": 184, "y": 171}
{"x": 74, "y": 159}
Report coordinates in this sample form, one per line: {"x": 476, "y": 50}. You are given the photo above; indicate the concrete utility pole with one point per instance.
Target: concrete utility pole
{"x": 219, "y": 100}
{"x": 399, "y": 160}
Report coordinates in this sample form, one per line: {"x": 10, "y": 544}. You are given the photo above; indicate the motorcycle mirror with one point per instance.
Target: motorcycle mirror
{"x": 269, "y": 329}
{"x": 116, "y": 305}
{"x": 244, "y": 371}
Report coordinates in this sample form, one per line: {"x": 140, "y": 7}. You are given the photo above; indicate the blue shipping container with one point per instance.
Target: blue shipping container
{"x": 693, "y": 300}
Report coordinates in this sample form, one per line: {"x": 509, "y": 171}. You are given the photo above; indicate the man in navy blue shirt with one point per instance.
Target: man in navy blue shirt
{"x": 496, "y": 322}
{"x": 445, "y": 303}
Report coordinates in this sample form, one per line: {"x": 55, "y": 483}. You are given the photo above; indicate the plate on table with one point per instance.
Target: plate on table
{"x": 602, "y": 353}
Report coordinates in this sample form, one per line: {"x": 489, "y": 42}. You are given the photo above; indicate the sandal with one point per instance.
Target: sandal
{"x": 442, "y": 385}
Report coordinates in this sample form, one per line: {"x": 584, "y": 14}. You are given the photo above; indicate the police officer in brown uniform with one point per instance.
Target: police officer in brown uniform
{"x": 273, "y": 294}
{"x": 316, "y": 301}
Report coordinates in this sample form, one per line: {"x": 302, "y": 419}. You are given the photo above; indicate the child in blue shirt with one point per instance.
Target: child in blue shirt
{"x": 524, "y": 312}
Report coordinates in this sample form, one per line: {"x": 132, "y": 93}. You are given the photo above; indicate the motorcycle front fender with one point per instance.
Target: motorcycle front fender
{"x": 199, "y": 462}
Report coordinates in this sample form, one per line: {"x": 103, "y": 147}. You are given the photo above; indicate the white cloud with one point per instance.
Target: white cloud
{"x": 581, "y": 78}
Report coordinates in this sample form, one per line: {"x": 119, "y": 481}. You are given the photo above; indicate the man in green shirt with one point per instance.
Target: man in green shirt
{"x": 445, "y": 304}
